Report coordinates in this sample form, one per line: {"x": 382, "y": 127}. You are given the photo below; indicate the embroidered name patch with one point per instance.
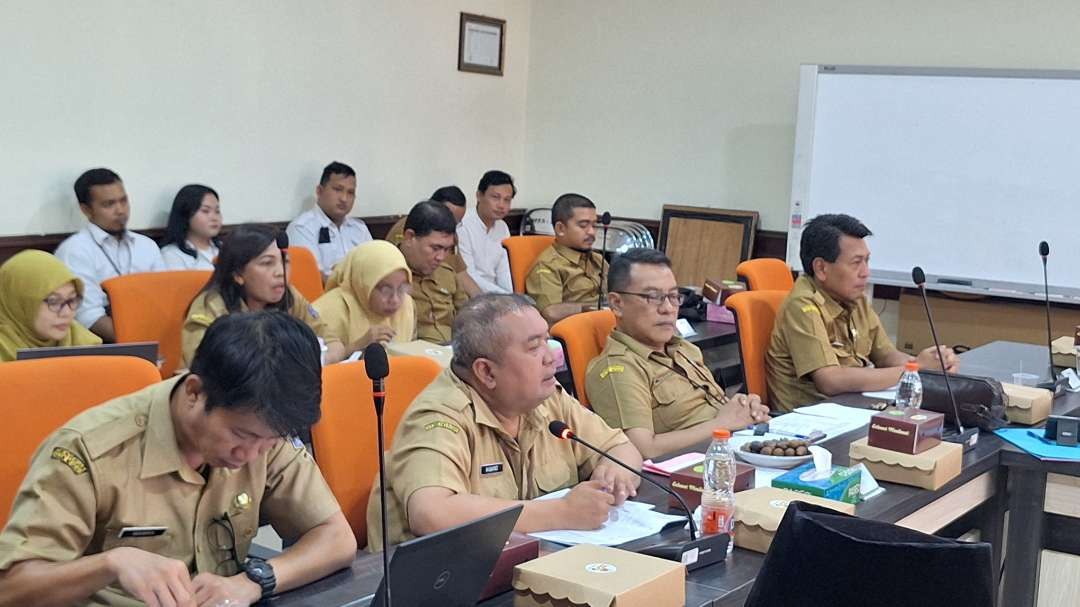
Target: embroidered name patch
{"x": 809, "y": 308}
{"x": 444, "y": 425}
{"x": 491, "y": 469}
{"x": 612, "y": 369}
{"x": 69, "y": 459}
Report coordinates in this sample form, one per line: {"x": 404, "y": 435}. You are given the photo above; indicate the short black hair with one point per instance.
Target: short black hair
{"x": 91, "y": 178}
{"x": 492, "y": 178}
{"x": 429, "y": 216}
{"x": 335, "y": 168}
{"x": 821, "y": 238}
{"x": 243, "y": 244}
{"x": 266, "y": 362}
{"x": 188, "y": 201}
{"x": 619, "y": 273}
{"x": 564, "y": 206}
{"x": 450, "y": 194}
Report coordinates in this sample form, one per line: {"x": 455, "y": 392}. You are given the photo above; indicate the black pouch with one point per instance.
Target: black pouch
{"x": 980, "y": 400}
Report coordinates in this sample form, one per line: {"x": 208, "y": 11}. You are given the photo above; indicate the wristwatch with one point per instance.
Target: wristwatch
{"x": 262, "y": 573}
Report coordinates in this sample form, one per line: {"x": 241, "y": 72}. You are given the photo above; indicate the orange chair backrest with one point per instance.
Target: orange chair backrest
{"x": 304, "y": 273}
{"x": 583, "y": 336}
{"x": 345, "y": 439}
{"x": 765, "y": 274}
{"x": 522, "y": 252}
{"x": 42, "y": 395}
{"x": 152, "y": 306}
{"x": 755, "y": 315}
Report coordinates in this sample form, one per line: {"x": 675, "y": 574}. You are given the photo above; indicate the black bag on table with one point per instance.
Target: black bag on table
{"x": 981, "y": 400}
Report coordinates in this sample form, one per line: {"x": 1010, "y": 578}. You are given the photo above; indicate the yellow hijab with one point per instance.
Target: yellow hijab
{"x": 25, "y": 281}
{"x": 357, "y": 275}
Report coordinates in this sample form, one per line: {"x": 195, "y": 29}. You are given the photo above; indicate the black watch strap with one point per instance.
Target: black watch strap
{"x": 262, "y": 573}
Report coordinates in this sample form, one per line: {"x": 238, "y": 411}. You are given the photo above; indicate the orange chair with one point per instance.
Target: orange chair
{"x": 765, "y": 274}
{"x": 345, "y": 440}
{"x": 755, "y": 315}
{"x": 522, "y": 252}
{"x": 583, "y": 336}
{"x": 304, "y": 273}
{"x": 152, "y": 306}
{"x": 42, "y": 395}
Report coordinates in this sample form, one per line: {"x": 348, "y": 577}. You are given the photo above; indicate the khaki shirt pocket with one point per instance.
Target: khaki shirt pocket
{"x": 157, "y": 544}
{"x": 672, "y": 393}
{"x": 554, "y": 475}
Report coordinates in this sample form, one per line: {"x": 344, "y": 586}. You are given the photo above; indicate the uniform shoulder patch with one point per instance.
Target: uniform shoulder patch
{"x": 69, "y": 459}
{"x": 611, "y": 369}
{"x": 809, "y": 308}
{"x": 442, "y": 424}
{"x": 202, "y": 318}
{"x": 543, "y": 271}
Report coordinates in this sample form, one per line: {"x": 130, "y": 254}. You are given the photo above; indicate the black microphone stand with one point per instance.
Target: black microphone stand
{"x": 605, "y": 219}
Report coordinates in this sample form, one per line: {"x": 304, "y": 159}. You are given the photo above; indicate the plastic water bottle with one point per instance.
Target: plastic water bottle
{"x": 718, "y": 488}
{"x": 910, "y": 392}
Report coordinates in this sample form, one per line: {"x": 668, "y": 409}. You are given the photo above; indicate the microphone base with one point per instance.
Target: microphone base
{"x": 704, "y": 551}
{"x": 969, "y": 437}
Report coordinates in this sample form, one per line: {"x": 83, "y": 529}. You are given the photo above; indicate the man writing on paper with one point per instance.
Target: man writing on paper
{"x": 650, "y": 382}
{"x": 476, "y": 440}
{"x": 827, "y": 338}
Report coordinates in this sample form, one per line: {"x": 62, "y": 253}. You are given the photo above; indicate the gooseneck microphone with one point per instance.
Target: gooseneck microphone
{"x": 698, "y": 552}
{"x": 919, "y": 278}
{"x": 1044, "y": 252}
{"x": 605, "y": 221}
{"x": 378, "y": 367}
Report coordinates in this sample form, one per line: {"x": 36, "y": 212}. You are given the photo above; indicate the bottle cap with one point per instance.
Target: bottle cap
{"x": 911, "y": 365}
{"x": 721, "y": 433}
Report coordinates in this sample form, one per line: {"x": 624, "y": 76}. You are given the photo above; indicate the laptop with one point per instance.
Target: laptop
{"x": 147, "y": 350}
{"x": 447, "y": 568}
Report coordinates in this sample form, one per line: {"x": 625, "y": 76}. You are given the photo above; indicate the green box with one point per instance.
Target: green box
{"x": 842, "y": 485}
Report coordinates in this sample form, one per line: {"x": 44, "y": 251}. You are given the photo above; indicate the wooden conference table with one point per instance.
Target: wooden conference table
{"x": 980, "y": 489}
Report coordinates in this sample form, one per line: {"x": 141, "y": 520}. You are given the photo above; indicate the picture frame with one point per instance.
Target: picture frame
{"x": 481, "y": 44}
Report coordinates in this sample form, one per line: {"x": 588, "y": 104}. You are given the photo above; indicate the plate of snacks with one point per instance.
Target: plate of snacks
{"x": 783, "y": 453}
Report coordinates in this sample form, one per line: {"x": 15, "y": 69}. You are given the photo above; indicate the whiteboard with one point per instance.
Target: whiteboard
{"x": 961, "y": 172}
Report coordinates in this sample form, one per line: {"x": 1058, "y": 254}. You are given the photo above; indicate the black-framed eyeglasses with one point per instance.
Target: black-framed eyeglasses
{"x": 56, "y": 303}
{"x": 222, "y": 537}
{"x": 657, "y": 299}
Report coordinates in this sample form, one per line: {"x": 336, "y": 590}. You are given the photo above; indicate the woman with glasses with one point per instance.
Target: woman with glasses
{"x": 251, "y": 275}
{"x": 38, "y": 299}
{"x": 368, "y": 297}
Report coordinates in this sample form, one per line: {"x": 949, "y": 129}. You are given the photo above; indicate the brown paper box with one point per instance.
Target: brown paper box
{"x": 930, "y": 469}
{"x": 599, "y": 576}
{"x": 688, "y": 481}
{"x": 519, "y": 549}
{"x": 906, "y": 430}
{"x": 1064, "y": 351}
{"x": 1027, "y": 404}
{"x": 758, "y": 513}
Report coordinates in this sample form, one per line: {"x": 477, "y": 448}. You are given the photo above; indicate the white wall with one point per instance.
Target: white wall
{"x": 250, "y": 97}
{"x": 639, "y": 103}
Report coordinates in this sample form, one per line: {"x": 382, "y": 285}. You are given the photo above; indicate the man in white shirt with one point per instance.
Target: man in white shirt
{"x": 105, "y": 247}
{"x": 327, "y": 230}
{"x": 482, "y": 230}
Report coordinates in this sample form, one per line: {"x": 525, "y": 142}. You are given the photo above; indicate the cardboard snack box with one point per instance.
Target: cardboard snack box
{"x": 930, "y": 469}
{"x": 1027, "y": 404}
{"x": 758, "y": 513}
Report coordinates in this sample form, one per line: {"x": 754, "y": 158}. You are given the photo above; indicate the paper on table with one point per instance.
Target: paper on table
{"x": 635, "y": 521}
{"x": 668, "y": 466}
{"x": 763, "y": 476}
{"x": 802, "y": 425}
{"x": 887, "y": 394}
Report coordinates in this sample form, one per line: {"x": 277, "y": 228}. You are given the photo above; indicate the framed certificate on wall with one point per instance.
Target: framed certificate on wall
{"x": 480, "y": 44}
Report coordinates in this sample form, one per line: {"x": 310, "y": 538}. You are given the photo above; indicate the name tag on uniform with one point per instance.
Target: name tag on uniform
{"x": 324, "y": 235}
{"x": 142, "y": 532}
{"x": 488, "y": 469}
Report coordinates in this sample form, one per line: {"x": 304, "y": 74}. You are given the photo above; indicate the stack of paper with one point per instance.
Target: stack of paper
{"x": 629, "y": 522}
{"x": 830, "y": 418}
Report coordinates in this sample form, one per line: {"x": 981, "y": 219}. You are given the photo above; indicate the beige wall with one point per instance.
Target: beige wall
{"x": 638, "y": 103}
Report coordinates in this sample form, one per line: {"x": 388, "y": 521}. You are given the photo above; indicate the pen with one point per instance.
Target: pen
{"x": 1045, "y": 440}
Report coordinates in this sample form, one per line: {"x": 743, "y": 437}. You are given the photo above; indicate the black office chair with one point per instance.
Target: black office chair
{"x": 821, "y": 557}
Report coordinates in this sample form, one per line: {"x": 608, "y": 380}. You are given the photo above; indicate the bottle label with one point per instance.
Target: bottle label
{"x": 716, "y": 520}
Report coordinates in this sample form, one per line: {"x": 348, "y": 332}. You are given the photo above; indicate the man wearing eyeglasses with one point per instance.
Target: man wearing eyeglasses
{"x": 437, "y": 288}
{"x": 565, "y": 279}
{"x": 647, "y": 380}
{"x": 155, "y": 497}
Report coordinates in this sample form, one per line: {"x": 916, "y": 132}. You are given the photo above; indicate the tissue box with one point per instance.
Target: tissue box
{"x": 715, "y": 313}
{"x": 717, "y": 292}
{"x": 841, "y": 485}
{"x": 1026, "y": 404}
{"x": 688, "y": 482}
{"x": 930, "y": 469}
{"x": 906, "y": 430}
{"x": 519, "y": 549}
{"x": 758, "y": 513}
{"x": 1064, "y": 349}
{"x": 598, "y": 576}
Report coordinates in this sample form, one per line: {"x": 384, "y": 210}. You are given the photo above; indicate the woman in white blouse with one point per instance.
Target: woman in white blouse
{"x": 191, "y": 238}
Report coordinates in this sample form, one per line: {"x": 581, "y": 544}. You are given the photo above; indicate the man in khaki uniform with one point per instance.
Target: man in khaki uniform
{"x": 156, "y": 496}
{"x": 476, "y": 440}
{"x": 650, "y": 382}
{"x": 437, "y": 289}
{"x": 565, "y": 279}
{"x": 454, "y": 199}
{"x": 827, "y": 338}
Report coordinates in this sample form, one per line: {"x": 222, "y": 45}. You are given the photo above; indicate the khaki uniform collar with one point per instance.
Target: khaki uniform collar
{"x": 572, "y": 255}
{"x": 537, "y": 418}
{"x": 161, "y": 454}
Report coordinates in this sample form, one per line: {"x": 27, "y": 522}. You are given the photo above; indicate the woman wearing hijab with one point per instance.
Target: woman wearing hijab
{"x": 368, "y": 297}
{"x": 250, "y": 275}
{"x": 38, "y": 299}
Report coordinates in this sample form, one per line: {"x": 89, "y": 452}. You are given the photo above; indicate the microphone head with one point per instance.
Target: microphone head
{"x": 282, "y": 240}
{"x": 375, "y": 362}
{"x": 560, "y": 429}
{"x": 1044, "y": 248}
{"x": 605, "y": 219}
{"x": 918, "y": 276}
